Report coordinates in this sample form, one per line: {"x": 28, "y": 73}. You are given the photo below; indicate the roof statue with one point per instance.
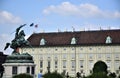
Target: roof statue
{"x": 18, "y": 41}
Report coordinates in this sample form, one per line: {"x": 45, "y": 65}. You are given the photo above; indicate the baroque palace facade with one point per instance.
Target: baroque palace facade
{"x": 74, "y": 52}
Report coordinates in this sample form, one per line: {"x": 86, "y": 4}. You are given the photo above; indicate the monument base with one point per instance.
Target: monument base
{"x": 17, "y": 64}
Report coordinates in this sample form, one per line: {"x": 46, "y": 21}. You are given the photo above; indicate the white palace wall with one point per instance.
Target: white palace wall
{"x": 73, "y": 59}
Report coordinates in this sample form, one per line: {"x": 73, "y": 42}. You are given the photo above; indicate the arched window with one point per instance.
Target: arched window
{"x": 73, "y": 40}
{"x": 28, "y": 70}
{"x": 42, "y": 41}
{"x": 108, "y": 40}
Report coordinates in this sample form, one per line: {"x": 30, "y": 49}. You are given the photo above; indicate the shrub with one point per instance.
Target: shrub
{"x": 98, "y": 75}
{"x": 22, "y": 76}
{"x": 52, "y": 75}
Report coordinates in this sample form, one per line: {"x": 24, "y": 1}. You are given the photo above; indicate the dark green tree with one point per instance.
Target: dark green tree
{"x": 119, "y": 76}
{"x": 98, "y": 75}
{"x": 52, "y": 75}
{"x": 22, "y": 76}
{"x": 100, "y": 66}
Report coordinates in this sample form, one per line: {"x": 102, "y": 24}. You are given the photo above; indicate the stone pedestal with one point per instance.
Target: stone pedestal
{"x": 17, "y": 64}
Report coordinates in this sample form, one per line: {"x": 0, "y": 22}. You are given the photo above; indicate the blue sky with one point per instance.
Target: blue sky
{"x": 51, "y": 15}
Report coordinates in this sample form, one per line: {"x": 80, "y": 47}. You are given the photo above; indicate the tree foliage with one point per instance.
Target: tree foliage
{"x": 98, "y": 75}
{"x": 22, "y": 76}
{"x": 52, "y": 75}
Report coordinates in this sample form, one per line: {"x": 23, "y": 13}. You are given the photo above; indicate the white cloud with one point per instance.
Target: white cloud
{"x": 117, "y": 14}
{"x": 8, "y": 18}
{"x": 65, "y": 8}
{"x": 83, "y": 10}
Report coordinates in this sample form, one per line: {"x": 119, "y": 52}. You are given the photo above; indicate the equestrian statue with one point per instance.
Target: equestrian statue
{"x": 18, "y": 41}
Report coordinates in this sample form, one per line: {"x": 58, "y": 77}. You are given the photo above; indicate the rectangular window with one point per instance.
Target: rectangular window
{"x": 90, "y": 56}
{"x": 56, "y": 56}
{"x": 73, "y": 56}
{"x": 64, "y": 56}
{"x": 64, "y": 64}
{"x": 41, "y": 64}
{"x": 73, "y": 64}
{"x": 56, "y": 64}
{"x": 91, "y": 64}
{"x": 14, "y": 70}
{"x": 32, "y": 70}
{"x": 48, "y": 56}
{"x": 41, "y": 56}
{"x": 48, "y": 63}
{"x": 107, "y": 55}
{"x": 81, "y": 63}
{"x": 117, "y": 71}
{"x": 117, "y": 63}
{"x": 108, "y": 64}
{"x": 116, "y": 56}
{"x": 81, "y": 56}
{"x": 99, "y": 56}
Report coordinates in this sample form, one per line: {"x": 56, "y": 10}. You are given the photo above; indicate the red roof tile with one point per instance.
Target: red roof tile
{"x": 82, "y": 37}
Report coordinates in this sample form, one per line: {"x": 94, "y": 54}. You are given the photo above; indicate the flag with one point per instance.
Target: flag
{"x": 31, "y": 24}
{"x": 36, "y": 25}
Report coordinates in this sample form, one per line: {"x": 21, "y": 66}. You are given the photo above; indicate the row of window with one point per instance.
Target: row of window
{"x": 81, "y": 64}
{"x": 56, "y": 64}
{"x": 82, "y": 56}
{"x": 15, "y": 70}
{"x": 73, "y": 48}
